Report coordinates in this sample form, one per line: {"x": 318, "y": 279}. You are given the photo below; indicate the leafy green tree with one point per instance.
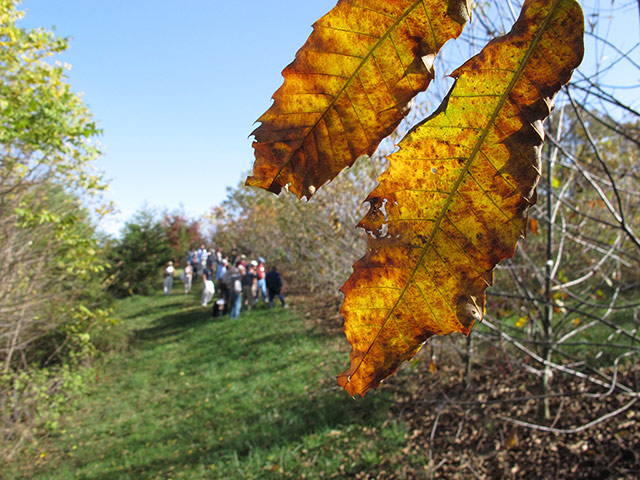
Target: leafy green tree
{"x": 47, "y": 150}
{"x": 137, "y": 259}
{"x": 54, "y": 309}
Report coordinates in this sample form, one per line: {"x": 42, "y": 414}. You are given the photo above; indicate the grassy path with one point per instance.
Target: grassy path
{"x": 197, "y": 397}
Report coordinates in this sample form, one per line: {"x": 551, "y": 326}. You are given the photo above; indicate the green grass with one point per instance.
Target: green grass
{"x": 197, "y": 397}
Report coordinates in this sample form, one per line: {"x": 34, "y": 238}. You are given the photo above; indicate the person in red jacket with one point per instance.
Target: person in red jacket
{"x": 262, "y": 284}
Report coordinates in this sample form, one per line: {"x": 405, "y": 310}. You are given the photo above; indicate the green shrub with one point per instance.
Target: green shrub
{"x": 33, "y": 402}
{"x": 137, "y": 259}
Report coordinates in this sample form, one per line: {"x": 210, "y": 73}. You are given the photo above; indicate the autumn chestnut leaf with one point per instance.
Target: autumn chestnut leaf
{"x": 455, "y": 198}
{"x": 349, "y": 87}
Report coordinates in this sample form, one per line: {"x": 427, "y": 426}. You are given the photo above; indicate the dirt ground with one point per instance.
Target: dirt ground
{"x": 467, "y": 432}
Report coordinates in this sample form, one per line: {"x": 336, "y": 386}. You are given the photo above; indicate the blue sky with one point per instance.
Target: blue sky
{"x": 176, "y": 85}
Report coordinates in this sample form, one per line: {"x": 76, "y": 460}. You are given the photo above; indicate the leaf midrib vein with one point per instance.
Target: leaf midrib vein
{"x": 365, "y": 59}
{"x": 485, "y": 132}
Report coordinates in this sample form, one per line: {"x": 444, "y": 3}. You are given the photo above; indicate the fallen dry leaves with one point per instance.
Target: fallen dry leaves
{"x": 465, "y": 437}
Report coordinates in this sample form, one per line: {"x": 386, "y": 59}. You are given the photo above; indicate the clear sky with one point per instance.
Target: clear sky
{"x": 176, "y": 85}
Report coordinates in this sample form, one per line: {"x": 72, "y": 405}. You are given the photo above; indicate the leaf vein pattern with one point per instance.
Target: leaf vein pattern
{"x": 344, "y": 132}
{"x": 362, "y": 7}
{"x": 402, "y": 335}
{"x": 357, "y": 115}
{"x": 346, "y": 30}
{"x": 435, "y": 286}
{"x": 428, "y": 17}
{"x": 384, "y": 80}
{"x": 426, "y": 301}
{"x": 489, "y": 197}
{"x": 473, "y": 264}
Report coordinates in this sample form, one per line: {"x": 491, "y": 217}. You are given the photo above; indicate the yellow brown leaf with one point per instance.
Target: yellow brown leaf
{"x": 349, "y": 87}
{"x": 455, "y": 198}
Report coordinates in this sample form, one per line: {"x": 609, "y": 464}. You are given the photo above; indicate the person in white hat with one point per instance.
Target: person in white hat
{"x": 168, "y": 278}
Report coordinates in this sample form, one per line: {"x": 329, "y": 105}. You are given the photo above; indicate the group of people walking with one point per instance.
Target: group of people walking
{"x": 239, "y": 282}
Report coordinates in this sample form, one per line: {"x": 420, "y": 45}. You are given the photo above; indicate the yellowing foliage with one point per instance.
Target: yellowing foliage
{"x": 455, "y": 198}
{"x": 349, "y": 87}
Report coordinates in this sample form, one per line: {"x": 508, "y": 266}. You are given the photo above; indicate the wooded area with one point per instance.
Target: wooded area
{"x": 552, "y": 349}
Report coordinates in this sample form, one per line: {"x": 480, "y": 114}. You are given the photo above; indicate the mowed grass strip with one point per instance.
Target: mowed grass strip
{"x": 203, "y": 397}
